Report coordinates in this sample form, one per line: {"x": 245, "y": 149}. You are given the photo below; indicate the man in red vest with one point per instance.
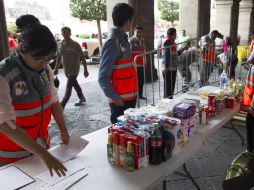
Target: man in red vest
{"x": 117, "y": 75}
{"x": 138, "y": 47}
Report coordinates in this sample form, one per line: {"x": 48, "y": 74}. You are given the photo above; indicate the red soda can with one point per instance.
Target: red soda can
{"x": 211, "y": 99}
{"x": 211, "y": 105}
{"x": 230, "y": 102}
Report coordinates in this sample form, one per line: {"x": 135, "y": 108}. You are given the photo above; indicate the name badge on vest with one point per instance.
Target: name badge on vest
{"x": 20, "y": 88}
{"x": 45, "y": 79}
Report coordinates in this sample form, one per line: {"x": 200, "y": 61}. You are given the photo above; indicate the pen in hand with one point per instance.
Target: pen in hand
{"x": 75, "y": 182}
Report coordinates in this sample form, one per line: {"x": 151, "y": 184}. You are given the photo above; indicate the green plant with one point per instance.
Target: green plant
{"x": 11, "y": 27}
{"x": 84, "y": 36}
{"x": 90, "y": 10}
{"x": 169, "y": 10}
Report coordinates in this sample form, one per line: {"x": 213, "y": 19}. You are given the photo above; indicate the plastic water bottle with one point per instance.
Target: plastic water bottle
{"x": 155, "y": 145}
{"x": 223, "y": 80}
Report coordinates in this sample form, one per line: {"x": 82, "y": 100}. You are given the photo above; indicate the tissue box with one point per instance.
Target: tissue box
{"x": 184, "y": 110}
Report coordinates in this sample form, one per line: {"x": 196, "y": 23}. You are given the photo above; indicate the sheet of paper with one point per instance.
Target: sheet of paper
{"x": 66, "y": 152}
{"x": 13, "y": 178}
{"x": 73, "y": 168}
{"x": 64, "y": 183}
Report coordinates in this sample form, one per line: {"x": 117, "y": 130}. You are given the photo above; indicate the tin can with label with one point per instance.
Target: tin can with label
{"x": 204, "y": 115}
{"x": 230, "y": 102}
{"x": 211, "y": 105}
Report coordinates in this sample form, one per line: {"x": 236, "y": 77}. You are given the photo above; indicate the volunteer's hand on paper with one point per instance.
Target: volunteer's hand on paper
{"x": 53, "y": 164}
{"x": 17, "y": 135}
{"x": 65, "y": 137}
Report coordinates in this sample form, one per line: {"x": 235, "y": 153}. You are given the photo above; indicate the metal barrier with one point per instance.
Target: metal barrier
{"x": 197, "y": 65}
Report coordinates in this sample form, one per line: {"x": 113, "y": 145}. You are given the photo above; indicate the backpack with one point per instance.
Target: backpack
{"x": 243, "y": 164}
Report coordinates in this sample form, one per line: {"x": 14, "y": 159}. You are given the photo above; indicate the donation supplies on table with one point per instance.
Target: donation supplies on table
{"x": 153, "y": 134}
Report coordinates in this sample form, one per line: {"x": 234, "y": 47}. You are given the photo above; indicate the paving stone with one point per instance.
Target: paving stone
{"x": 203, "y": 183}
{"x": 217, "y": 181}
{"x": 231, "y": 147}
{"x": 101, "y": 117}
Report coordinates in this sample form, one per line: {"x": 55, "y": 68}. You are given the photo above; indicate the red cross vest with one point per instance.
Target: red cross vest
{"x": 173, "y": 53}
{"x": 248, "y": 90}
{"x": 137, "y": 47}
{"x": 123, "y": 77}
{"x": 30, "y": 94}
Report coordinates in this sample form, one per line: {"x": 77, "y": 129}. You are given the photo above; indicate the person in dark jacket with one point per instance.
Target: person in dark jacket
{"x": 169, "y": 63}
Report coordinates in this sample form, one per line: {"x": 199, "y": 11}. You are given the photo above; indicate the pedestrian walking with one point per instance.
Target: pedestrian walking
{"x": 117, "y": 75}
{"x": 137, "y": 44}
{"x": 28, "y": 97}
{"x": 69, "y": 54}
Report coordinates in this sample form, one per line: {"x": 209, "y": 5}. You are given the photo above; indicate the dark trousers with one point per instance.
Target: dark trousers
{"x": 250, "y": 132}
{"x": 233, "y": 63}
{"x": 169, "y": 83}
{"x": 140, "y": 72}
{"x": 206, "y": 70}
{"x": 71, "y": 82}
{"x": 119, "y": 110}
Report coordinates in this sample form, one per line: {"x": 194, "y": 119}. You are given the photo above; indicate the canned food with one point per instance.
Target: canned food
{"x": 211, "y": 99}
{"x": 230, "y": 102}
{"x": 204, "y": 115}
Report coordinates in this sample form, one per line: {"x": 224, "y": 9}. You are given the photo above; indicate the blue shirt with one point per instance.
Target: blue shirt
{"x": 109, "y": 55}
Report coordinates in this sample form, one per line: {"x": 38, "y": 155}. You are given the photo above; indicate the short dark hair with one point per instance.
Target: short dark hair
{"x": 229, "y": 41}
{"x": 37, "y": 40}
{"x": 171, "y": 31}
{"x": 121, "y": 13}
{"x": 24, "y": 20}
{"x": 66, "y": 28}
{"x": 215, "y": 32}
{"x": 220, "y": 36}
{"x": 138, "y": 28}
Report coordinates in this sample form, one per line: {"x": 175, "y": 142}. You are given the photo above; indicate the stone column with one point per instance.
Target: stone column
{"x": 252, "y": 18}
{"x": 188, "y": 16}
{"x": 234, "y": 22}
{"x": 4, "y": 46}
{"x": 144, "y": 16}
{"x": 110, "y": 5}
{"x": 204, "y": 14}
{"x": 227, "y": 13}
{"x": 194, "y": 17}
{"x": 244, "y": 21}
{"x": 223, "y": 16}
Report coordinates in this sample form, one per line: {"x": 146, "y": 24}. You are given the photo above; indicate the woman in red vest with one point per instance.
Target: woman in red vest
{"x": 28, "y": 98}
